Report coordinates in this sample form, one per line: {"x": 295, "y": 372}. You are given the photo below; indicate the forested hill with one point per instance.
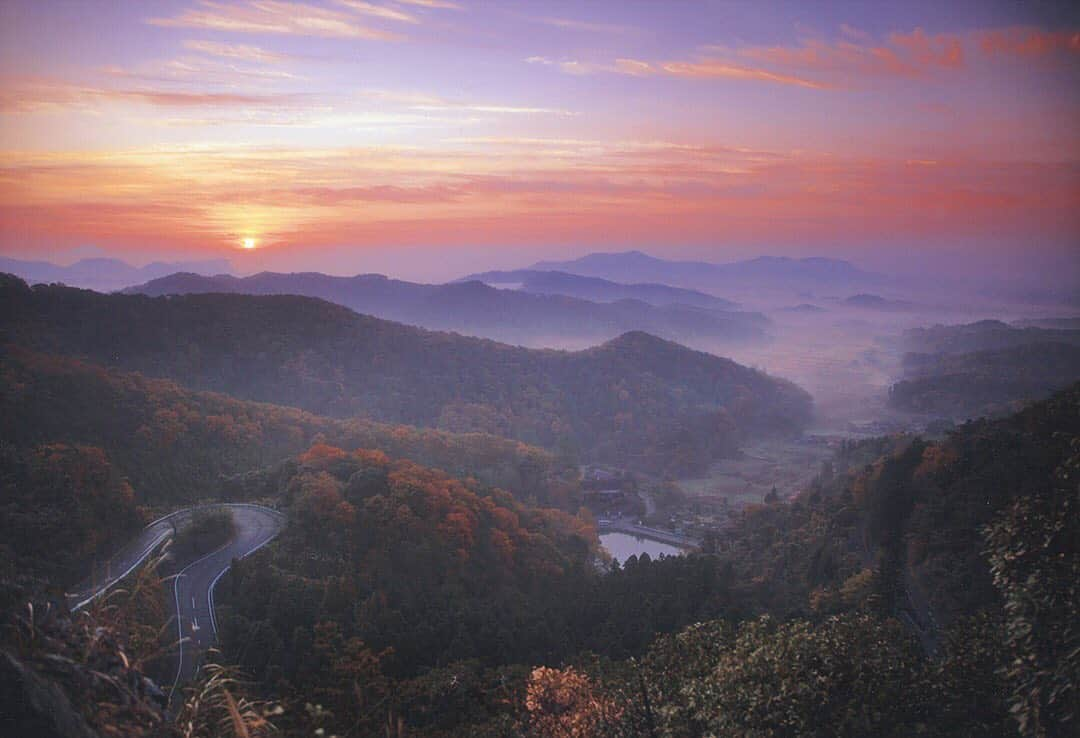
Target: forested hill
{"x": 984, "y": 335}
{"x": 637, "y": 399}
{"x": 477, "y": 309}
{"x": 177, "y": 446}
{"x": 983, "y": 383}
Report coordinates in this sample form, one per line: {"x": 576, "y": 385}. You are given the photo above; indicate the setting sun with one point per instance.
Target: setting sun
{"x": 248, "y": 243}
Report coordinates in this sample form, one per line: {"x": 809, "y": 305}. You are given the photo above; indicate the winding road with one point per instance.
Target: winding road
{"x": 193, "y": 586}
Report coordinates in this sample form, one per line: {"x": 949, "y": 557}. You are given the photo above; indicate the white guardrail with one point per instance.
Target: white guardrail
{"x": 90, "y": 590}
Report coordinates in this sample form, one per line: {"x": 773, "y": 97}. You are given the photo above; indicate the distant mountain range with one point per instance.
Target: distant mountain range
{"x": 105, "y": 275}
{"x": 600, "y": 290}
{"x": 654, "y": 403}
{"x": 769, "y": 271}
{"x": 477, "y": 309}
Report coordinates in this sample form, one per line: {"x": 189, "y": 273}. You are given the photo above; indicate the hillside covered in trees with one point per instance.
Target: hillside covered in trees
{"x": 914, "y": 588}
{"x": 990, "y": 382}
{"x": 177, "y": 446}
{"x": 636, "y": 400}
{"x": 984, "y": 335}
{"x": 427, "y": 581}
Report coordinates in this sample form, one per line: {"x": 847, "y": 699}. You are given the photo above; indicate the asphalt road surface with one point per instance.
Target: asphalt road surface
{"x": 193, "y": 586}
{"x": 124, "y": 561}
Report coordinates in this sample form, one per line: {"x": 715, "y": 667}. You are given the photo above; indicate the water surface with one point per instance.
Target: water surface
{"x": 622, "y": 546}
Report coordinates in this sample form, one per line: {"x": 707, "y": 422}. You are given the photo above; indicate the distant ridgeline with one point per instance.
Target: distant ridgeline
{"x": 561, "y": 309}
{"x": 636, "y": 400}
{"x": 984, "y": 368}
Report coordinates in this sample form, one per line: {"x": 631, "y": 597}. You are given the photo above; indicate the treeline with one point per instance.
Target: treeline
{"x": 636, "y": 401}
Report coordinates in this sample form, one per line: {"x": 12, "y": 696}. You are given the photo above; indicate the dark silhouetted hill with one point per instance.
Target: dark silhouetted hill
{"x": 637, "y": 399}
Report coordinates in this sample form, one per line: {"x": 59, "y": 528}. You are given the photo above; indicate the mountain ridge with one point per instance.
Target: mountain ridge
{"x": 104, "y": 273}
{"x": 474, "y": 308}
{"x": 601, "y": 290}
{"x": 775, "y": 271}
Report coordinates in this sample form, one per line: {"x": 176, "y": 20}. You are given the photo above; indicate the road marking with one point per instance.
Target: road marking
{"x": 210, "y": 593}
{"x": 192, "y": 602}
{"x": 194, "y": 623}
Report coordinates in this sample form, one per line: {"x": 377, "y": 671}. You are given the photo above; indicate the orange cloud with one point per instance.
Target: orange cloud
{"x": 516, "y": 191}
{"x": 818, "y": 64}
{"x": 913, "y": 54}
{"x": 704, "y": 68}
{"x": 714, "y": 69}
{"x": 1028, "y": 42}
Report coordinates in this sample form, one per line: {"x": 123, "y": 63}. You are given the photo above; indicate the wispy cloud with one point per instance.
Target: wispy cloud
{"x": 439, "y": 4}
{"x": 378, "y": 11}
{"x": 912, "y": 54}
{"x": 717, "y": 69}
{"x": 846, "y": 62}
{"x": 240, "y": 52}
{"x": 580, "y": 25}
{"x": 22, "y": 96}
{"x": 274, "y": 17}
{"x": 200, "y": 72}
{"x": 701, "y": 68}
{"x": 424, "y": 101}
{"x": 633, "y": 67}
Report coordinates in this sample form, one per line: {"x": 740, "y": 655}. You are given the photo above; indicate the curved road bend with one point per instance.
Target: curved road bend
{"x": 126, "y": 560}
{"x": 193, "y": 586}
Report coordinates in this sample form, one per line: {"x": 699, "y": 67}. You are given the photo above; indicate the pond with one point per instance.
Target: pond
{"x": 622, "y": 546}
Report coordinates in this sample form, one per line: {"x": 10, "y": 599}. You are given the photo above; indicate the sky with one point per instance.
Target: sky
{"x": 430, "y": 138}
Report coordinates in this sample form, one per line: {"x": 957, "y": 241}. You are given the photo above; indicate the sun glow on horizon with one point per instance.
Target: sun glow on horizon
{"x": 190, "y": 127}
